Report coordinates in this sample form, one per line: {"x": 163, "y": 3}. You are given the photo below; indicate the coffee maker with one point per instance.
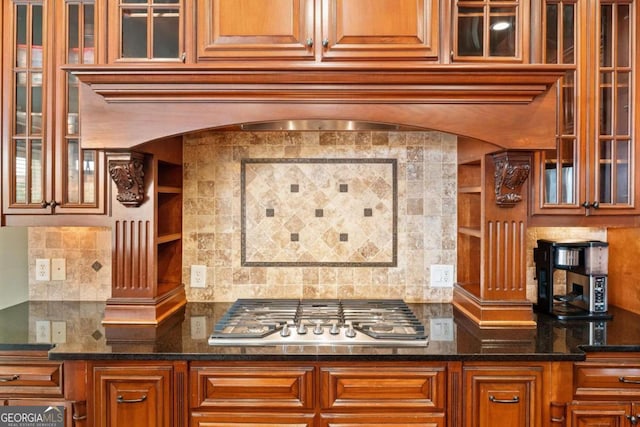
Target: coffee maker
{"x": 584, "y": 265}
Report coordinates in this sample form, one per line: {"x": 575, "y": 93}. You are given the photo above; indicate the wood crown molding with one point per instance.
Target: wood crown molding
{"x": 441, "y": 84}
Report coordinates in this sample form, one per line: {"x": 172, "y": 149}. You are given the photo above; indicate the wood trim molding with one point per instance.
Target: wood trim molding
{"x": 127, "y": 172}
{"x": 431, "y": 84}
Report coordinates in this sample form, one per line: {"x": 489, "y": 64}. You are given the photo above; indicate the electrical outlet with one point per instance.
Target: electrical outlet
{"x": 43, "y": 331}
{"x": 441, "y": 329}
{"x": 58, "y": 269}
{"x": 198, "y": 327}
{"x": 198, "y": 276}
{"x": 43, "y": 269}
{"x": 58, "y": 332}
{"x": 441, "y": 276}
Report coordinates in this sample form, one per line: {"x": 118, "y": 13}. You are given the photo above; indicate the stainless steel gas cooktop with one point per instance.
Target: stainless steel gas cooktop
{"x": 266, "y": 322}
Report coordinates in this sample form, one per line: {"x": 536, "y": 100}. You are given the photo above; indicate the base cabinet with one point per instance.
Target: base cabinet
{"x": 510, "y": 394}
{"x": 600, "y": 414}
{"x": 136, "y": 395}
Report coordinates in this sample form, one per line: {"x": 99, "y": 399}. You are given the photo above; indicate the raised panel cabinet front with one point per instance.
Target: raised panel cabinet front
{"x": 255, "y": 29}
{"x": 132, "y": 396}
{"x": 383, "y": 387}
{"x": 31, "y": 379}
{"x": 511, "y": 395}
{"x": 607, "y": 381}
{"x": 380, "y": 29}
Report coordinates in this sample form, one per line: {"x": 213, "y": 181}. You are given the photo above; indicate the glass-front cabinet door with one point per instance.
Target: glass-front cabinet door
{"x": 79, "y": 173}
{"x": 146, "y": 30}
{"x": 592, "y": 169}
{"x": 490, "y": 31}
{"x": 27, "y": 155}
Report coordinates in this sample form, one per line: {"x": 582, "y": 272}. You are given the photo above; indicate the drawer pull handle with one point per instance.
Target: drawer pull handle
{"x": 121, "y": 399}
{"x": 9, "y": 379}
{"x": 515, "y": 399}
{"x": 79, "y": 417}
{"x": 628, "y": 381}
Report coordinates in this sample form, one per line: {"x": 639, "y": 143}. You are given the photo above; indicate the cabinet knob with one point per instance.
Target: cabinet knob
{"x": 325, "y": 43}
{"x": 309, "y": 42}
{"x": 588, "y": 205}
{"x": 493, "y": 399}
{"x": 121, "y": 399}
{"x": 632, "y": 419}
{"x": 52, "y": 203}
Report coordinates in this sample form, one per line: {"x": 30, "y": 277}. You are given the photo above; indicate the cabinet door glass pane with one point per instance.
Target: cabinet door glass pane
{"x": 568, "y": 34}
{"x": 606, "y": 105}
{"x": 623, "y": 31}
{"x": 622, "y": 104}
{"x": 37, "y": 173}
{"x": 73, "y": 171}
{"x": 502, "y": 34}
{"x": 568, "y": 103}
{"x": 470, "y": 31}
{"x": 88, "y": 51}
{"x": 21, "y": 36}
{"x": 552, "y": 41}
{"x": 20, "y": 169}
{"x": 605, "y": 172}
{"x": 36, "y": 37}
{"x": 36, "y": 103}
{"x": 606, "y": 37}
{"x": 20, "y": 122}
{"x": 166, "y": 26}
{"x": 134, "y": 33}
{"x": 89, "y": 176}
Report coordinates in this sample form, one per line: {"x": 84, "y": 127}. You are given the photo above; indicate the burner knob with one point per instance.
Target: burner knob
{"x": 302, "y": 329}
{"x": 350, "y": 332}
{"x": 318, "y": 330}
{"x": 285, "y": 332}
{"x": 335, "y": 330}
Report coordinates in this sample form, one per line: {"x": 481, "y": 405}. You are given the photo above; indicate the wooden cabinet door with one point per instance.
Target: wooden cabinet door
{"x": 380, "y": 29}
{"x": 582, "y": 414}
{"x": 132, "y": 395}
{"x": 512, "y": 395}
{"x": 255, "y": 29}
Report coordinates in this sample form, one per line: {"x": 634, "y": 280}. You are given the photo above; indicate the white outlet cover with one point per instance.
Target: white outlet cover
{"x": 58, "y": 332}
{"x": 43, "y": 269}
{"x": 199, "y": 327}
{"x": 58, "y": 269}
{"x": 198, "y": 276}
{"x": 441, "y": 276}
{"x": 43, "y": 331}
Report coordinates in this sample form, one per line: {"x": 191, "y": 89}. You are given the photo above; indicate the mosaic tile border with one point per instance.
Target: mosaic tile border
{"x": 394, "y": 172}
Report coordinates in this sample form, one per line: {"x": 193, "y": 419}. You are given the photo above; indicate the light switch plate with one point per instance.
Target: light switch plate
{"x": 43, "y": 269}
{"x": 58, "y": 332}
{"x": 43, "y": 331}
{"x": 58, "y": 269}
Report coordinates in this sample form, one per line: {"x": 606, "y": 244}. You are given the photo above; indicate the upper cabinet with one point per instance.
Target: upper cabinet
{"x": 44, "y": 169}
{"x": 592, "y": 169}
{"x": 317, "y": 30}
{"x": 490, "y": 31}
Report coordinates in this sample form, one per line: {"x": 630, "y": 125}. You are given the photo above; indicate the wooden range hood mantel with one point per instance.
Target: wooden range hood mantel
{"x": 131, "y": 110}
{"x": 510, "y": 106}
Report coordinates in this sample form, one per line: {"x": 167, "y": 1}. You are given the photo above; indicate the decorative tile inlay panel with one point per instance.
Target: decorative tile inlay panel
{"x": 316, "y": 210}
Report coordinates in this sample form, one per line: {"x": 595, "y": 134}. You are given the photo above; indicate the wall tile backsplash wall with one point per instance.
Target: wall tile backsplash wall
{"x": 213, "y": 222}
{"x": 87, "y": 255}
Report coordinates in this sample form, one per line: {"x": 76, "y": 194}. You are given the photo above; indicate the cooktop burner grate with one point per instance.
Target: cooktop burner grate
{"x": 318, "y": 321}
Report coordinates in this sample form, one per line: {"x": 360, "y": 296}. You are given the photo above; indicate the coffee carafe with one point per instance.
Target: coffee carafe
{"x": 583, "y": 267}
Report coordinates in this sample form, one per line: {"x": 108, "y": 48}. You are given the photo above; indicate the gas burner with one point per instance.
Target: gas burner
{"x": 319, "y": 322}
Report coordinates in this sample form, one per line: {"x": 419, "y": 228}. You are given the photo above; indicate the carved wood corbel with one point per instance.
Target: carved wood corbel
{"x": 511, "y": 171}
{"x": 127, "y": 171}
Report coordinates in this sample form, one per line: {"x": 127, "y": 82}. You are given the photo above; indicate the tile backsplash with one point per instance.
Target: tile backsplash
{"x": 290, "y": 198}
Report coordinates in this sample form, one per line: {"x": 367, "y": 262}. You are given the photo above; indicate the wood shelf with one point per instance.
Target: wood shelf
{"x": 166, "y": 238}
{"x": 468, "y": 231}
{"x": 470, "y": 190}
{"x": 166, "y": 189}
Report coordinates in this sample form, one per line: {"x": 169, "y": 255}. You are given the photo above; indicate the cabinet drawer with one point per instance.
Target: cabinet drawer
{"x": 383, "y": 387}
{"x": 607, "y": 381}
{"x": 43, "y": 379}
{"x": 200, "y": 419}
{"x": 382, "y": 420}
{"x": 252, "y": 387}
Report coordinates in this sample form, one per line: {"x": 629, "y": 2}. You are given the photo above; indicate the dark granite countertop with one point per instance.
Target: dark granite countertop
{"x": 74, "y": 330}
